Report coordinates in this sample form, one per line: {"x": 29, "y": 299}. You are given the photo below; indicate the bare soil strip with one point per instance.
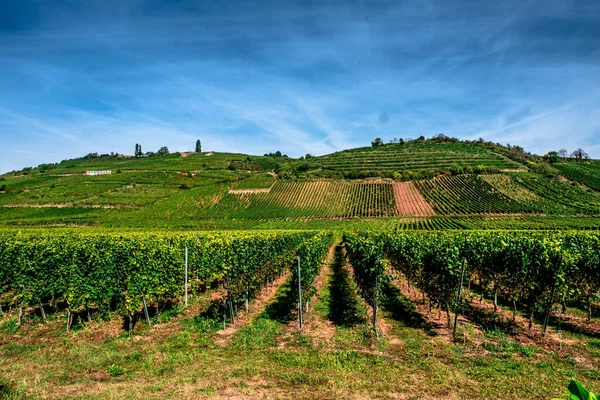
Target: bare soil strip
{"x": 579, "y": 324}
{"x": 482, "y": 312}
{"x": 256, "y": 306}
{"x": 248, "y": 191}
{"x": 521, "y": 326}
{"x": 434, "y": 319}
{"x": 68, "y": 205}
{"x": 409, "y": 201}
{"x": 320, "y": 329}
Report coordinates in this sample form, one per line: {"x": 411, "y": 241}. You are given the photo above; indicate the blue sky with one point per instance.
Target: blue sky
{"x": 299, "y": 77}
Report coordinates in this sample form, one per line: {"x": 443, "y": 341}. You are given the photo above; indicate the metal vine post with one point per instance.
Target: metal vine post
{"x": 299, "y": 296}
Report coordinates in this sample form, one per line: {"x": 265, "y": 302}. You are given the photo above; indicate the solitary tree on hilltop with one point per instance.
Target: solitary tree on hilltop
{"x": 377, "y": 142}
{"x": 198, "y": 146}
{"x": 138, "y": 150}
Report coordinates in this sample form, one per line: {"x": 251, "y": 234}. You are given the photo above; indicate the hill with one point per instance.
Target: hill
{"x": 422, "y": 184}
{"x": 411, "y": 160}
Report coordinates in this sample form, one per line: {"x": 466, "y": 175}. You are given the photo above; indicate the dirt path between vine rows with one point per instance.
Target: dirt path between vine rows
{"x": 435, "y": 319}
{"x": 255, "y": 307}
{"x": 320, "y": 329}
{"x": 480, "y": 313}
{"x": 520, "y": 326}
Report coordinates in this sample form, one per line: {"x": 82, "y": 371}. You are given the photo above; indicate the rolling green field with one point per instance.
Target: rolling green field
{"x": 223, "y": 190}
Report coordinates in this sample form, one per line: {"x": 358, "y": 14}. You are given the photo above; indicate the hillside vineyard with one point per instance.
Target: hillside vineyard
{"x": 407, "y": 261}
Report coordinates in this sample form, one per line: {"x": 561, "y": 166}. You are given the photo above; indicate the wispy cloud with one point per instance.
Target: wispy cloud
{"x": 264, "y": 76}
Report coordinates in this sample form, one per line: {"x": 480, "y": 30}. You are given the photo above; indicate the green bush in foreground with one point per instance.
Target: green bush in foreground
{"x": 578, "y": 392}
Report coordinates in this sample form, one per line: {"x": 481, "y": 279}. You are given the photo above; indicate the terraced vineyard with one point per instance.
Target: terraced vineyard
{"x": 507, "y": 186}
{"x": 587, "y": 172}
{"x": 560, "y": 196}
{"x": 321, "y": 199}
{"x": 466, "y": 194}
{"x": 220, "y": 190}
{"x": 414, "y": 157}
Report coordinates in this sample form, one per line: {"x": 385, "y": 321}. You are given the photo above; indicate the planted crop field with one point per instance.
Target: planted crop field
{"x": 587, "y": 172}
{"x": 414, "y": 157}
{"x": 106, "y": 315}
{"x": 466, "y": 194}
{"x": 561, "y": 196}
{"x": 319, "y": 199}
{"x": 508, "y": 187}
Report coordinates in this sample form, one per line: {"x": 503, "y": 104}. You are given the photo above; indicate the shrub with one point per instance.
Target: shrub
{"x": 115, "y": 370}
{"x": 11, "y": 326}
{"x": 304, "y": 167}
{"x": 578, "y": 392}
{"x": 457, "y": 170}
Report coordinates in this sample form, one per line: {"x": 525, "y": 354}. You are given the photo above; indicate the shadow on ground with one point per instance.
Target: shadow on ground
{"x": 283, "y": 308}
{"x": 345, "y": 308}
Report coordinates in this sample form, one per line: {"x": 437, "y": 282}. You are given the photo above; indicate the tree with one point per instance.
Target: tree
{"x": 580, "y": 154}
{"x": 198, "y": 146}
{"x": 377, "y": 142}
{"x": 138, "y": 150}
{"x": 440, "y": 137}
{"x": 563, "y": 153}
{"x": 551, "y": 157}
{"x": 163, "y": 151}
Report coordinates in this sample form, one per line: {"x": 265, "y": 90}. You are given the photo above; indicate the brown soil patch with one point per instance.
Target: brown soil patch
{"x": 409, "y": 202}
{"x": 249, "y": 191}
{"x": 580, "y": 324}
{"x": 521, "y": 325}
{"x": 434, "y": 318}
{"x": 255, "y": 307}
{"x": 69, "y": 205}
{"x": 320, "y": 329}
